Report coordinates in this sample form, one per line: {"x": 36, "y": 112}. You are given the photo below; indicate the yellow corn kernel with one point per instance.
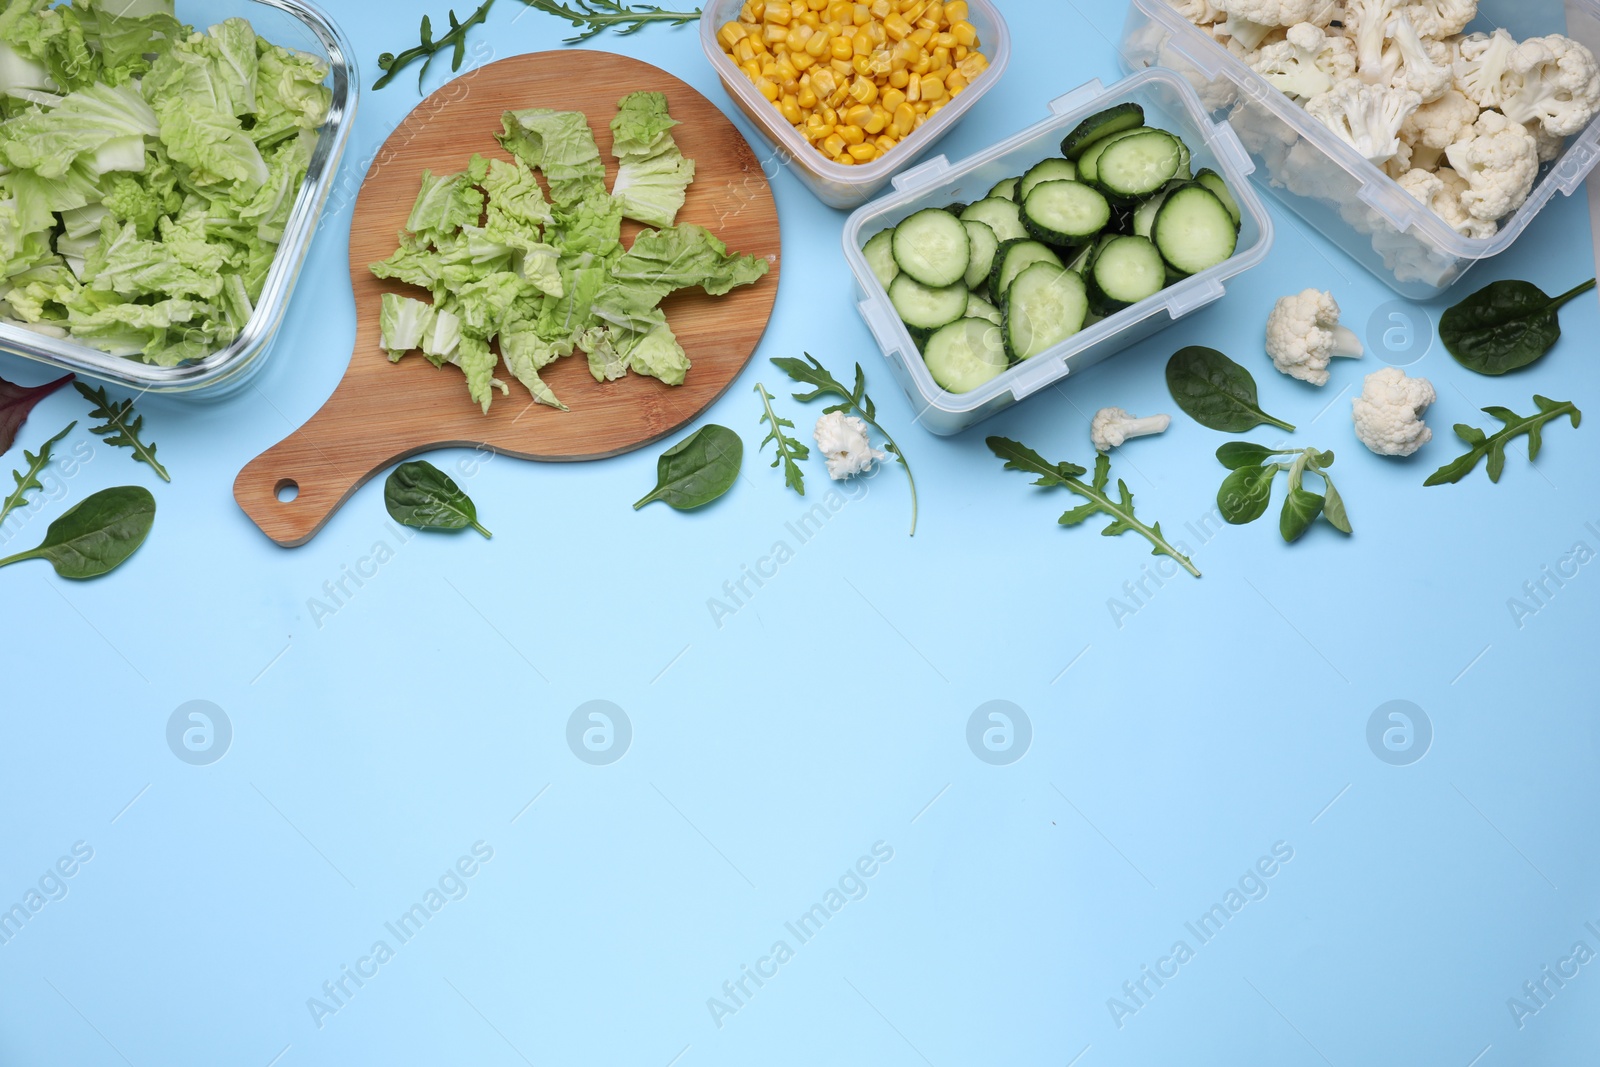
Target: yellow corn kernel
{"x": 744, "y": 51}
{"x": 897, "y": 27}
{"x": 863, "y": 91}
{"x": 857, "y": 115}
{"x": 801, "y": 60}
{"x": 959, "y": 52}
{"x": 834, "y": 144}
{"x": 845, "y": 68}
{"x": 819, "y": 6}
{"x": 818, "y": 43}
{"x": 863, "y": 153}
{"x": 954, "y": 82}
{"x": 757, "y": 45}
{"x": 862, "y": 66}
{"x": 881, "y": 8}
{"x": 876, "y": 123}
{"x": 899, "y": 79}
{"x": 911, "y": 10}
{"x": 839, "y": 11}
{"x": 758, "y": 10}
{"x": 830, "y": 116}
{"x": 786, "y": 71}
{"x": 808, "y": 99}
{"x": 841, "y": 47}
{"x": 885, "y": 143}
{"x": 769, "y": 67}
{"x": 768, "y": 88}
{"x": 799, "y": 35}
{"x": 965, "y": 33}
{"x": 860, "y": 15}
{"x": 852, "y": 134}
{"x": 905, "y": 120}
{"x": 955, "y": 11}
{"x": 932, "y": 88}
{"x": 945, "y": 40}
{"x": 752, "y": 70}
{"x": 779, "y": 12}
{"x": 935, "y": 109}
{"x": 846, "y": 159}
{"x": 812, "y": 19}
{"x": 974, "y": 65}
{"x": 914, "y": 90}
{"x": 731, "y": 34}
{"x": 923, "y": 64}
{"x": 860, "y": 44}
{"x": 891, "y": 99}
{"x": 790, "y": 109}
{"x": 920, "y": 120}
{"x": 941, "y": 59}
{"x": 822, "y": 133}
{"x": 824, "y": 81}
{"x": 773, "y": 34}
{"x": 921, "y": 107}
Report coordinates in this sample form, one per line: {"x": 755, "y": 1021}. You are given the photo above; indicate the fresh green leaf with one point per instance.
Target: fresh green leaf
{"x": 697, "y": 470}
{"x": 121, "y": 426}
{"x": 428, "y": 47}
{"x": 28, "y": 479}
{"x": 1504, "y": 326}
{"x": 1300, "y": 509}
{"x": 812, "y": 373}
{"x": 1245, "y": 493}
{"x": 97, "y": 534}
{"x": 421, "y": 495}
{"x": 16, "y": 401}
{"x": 1236, "y": 454}
{"x": 789, "y": 451}
{"x": 1020, "y": 457}
{"x": 596, "y": 16}
{"x": 1215, "y": 391}
{"x": 1333, "y": 507}
{"x": 1494, "y": 445}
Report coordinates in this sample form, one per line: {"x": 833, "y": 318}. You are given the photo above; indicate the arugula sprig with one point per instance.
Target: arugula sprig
{"x": 122, "y": 427}
{"x": 810, "y": 372}
{"x": 790, "y": 451}
{"x": 591, "y": 16}
{"x": 456, "y": 39}
{"x": 28, "y": 479}
{"x": 1494, "y": 445}
{"x": 1020, "y": 457}
{"x": 1245, "y": 494}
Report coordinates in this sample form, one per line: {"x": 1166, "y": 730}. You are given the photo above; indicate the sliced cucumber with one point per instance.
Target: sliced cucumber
{"x": 1080, "y": 262}
{"x": 1219, "y": 188}
{"x": 1015, "y": 257}
{"x": 1144, "y": 216}
{"x": 1099, "y": 125}
{"x": 933, "y": 248}
{"x": 1088, "y": 163}
{"x": 879, "y": 252}
{"x": 1002, "y": 216}
{"x": 984, "y": 245}
{"x": 1137, "y": 166}
{"x": 1004, "y": 190}
{"x": 1193, "y": 230}
{"x": 1050, "y": 170}
{"x": 1184, "y": 160}
{"x": 979, "y": 308}
{"x": 1045, "y": 305}
{"x": 925, "y": 307}
{"x": 965, "y": 354}
{"x": 1127, "y": 270}
{"x": 955, "y": 209}
{"x": 1065, "y": 213}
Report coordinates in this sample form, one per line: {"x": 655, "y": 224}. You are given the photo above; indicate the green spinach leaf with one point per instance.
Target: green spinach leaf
{"x": 1493, "y": 446}
{"x": 28, "y": 479}
{"x": 697, "y": 470}
{"x": 1237, "y": 454}
{"x": 1215, "y": 391}
{"x": 421, "y": 495}
{"x": 97, "y": 534}
{"x": 1504, "y": 326}
{"x": 1245, "y": 493}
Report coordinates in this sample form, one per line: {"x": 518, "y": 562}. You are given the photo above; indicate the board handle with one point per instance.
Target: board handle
{"x": 293, "y": 488}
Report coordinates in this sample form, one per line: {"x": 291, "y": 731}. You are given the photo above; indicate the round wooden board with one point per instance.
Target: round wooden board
{"x": 382, "y": 412}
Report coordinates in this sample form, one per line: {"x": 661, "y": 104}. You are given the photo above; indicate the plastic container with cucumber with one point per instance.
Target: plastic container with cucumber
{"x": 1113, "y": 220}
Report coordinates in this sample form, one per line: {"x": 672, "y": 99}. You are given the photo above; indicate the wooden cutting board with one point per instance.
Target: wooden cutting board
{"x": 382, "y": 412}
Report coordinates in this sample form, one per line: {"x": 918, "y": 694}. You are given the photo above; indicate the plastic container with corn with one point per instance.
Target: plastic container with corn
{"x": 855, "y": 79}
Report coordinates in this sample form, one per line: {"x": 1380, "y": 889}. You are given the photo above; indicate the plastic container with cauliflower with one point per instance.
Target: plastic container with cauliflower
{"x": 1325, "y": 180}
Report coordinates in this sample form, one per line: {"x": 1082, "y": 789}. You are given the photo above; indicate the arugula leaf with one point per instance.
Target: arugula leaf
{"x": 1494, "y": 446}
{"x": 810, "y": 372}
{"x": 456, "y": 40}
{"x": 421, "y": 495}
{"x": 16, "y": 401}
{"x": 1215, "y": 391}
{"x": 122, "y": 427}
{"x": 35, "y": 466}
{"x": 1020, "y": 457}
{"x": 789, "y": 451}
{"x": 697, "y": 470}
{"x": 1504, "y": 326}
{"x": 96, "y": 535}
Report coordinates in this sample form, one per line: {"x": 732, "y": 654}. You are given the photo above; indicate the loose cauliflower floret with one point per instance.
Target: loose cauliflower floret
{"x": 1388, "y": 413}
{"x": 1415, "y": 64}
{"x": 1368, "y": 117}
{"x": 1437, "y": 19}
{"x": 1249, "y": 21}
{"x": 1551, "y": 82}
{"x": 1303, "y": 334}
{"x": 1112, "y": 427}
{"x": 1481, "y": 61}
{"x": 1499, "y": 160}
{"x": 1308, "y": 62}
{"x": 1437, "y": 125}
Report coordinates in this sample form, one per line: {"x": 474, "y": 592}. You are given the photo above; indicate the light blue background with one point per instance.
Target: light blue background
{"x": 830, "y": 713}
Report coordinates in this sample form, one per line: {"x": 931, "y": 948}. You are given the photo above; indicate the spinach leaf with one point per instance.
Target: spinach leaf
{"x": 1246, "y": 492}
{"x": 421, "y": 495}
{"x": 1481, "y": 444}
{"x": 16, "y": 401}
{"x": 1236, "y": 454}
{"x": 697, "y": 470}
{"x": 97, "y": 534}
{"x": 1215, "y": 391}
{"x": 1504, "y": 326}
{"x": 28, "y": 479}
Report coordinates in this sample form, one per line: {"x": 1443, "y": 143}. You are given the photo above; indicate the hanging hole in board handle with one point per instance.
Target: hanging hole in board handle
{"x": 286, "y": 490}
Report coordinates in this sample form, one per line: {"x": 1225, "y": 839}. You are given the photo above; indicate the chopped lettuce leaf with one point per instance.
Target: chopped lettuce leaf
{"x": 403, "y": 321}
{"x": 442, "y": 339}
{"x": 560, "y": 144}
{"x": 478, "y": 363}
{"x": 654, "y": 176}
{"x": 446, "y": 203}
{"x": 49, "y": 142}
{"x": 641, "y": 126}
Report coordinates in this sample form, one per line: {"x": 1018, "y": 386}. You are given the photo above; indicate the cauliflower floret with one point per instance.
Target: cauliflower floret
{"x": 1412, "y": 63}
{"x": 1366, "y": 24}
{"x": 1499, "y": 160}
{"x": 1388, "y": 413}
{"x": 842, "y": 440}
{"x": 1308, "y": 62}
{"x": 1550, "y": 144}
{"x": 1437, "y": 19}
{"x": 1437, "y": 125}
{"x": 1303, "y": 334}
{"x": 1440, "y": 192}
{"x": 1551, "y": 82}
{"x": 1367, "y": 117}
{"x": 1111, "y": 427}
{"x": 1199, "y": 12}
{"x": 1308, "y": 171}
{"x": 1480, "y": 64}
{"x": 1249, "y": 21}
